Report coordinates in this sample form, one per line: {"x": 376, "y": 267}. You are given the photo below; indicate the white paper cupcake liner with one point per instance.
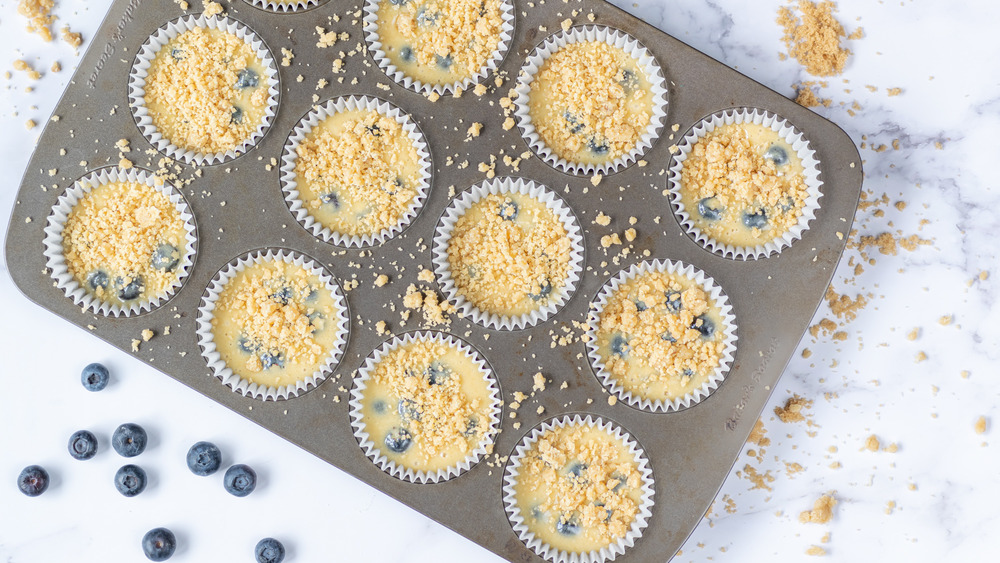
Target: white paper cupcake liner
{"x": 56, "y": 261}
{"x": 546, "y": 551}
{"x": 374, "y": 452}
{"x": 284, "y": 7}
{"x": 715, "y": 295}
{"x": 206, "y": 338}
{"x": 375, "y": 48}
{"x": 612, "y": 37}
{"x": 140, "y": 71}
{"x": 289, "y": 157}
{"x": 786, "y": 131}
{"x": 442, "y": 266}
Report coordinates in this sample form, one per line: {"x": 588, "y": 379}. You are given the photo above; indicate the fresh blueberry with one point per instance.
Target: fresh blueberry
{"x": 757, "y": 220}
{"x": 97, "y": 279}
{"x": 703, "y": 325}
{"x": 710, "y": 209}
{"x": 166, "y": 257}
{"x": 177, "y": 54}
{"x": 640, "y": 305}
{"x": 688, "y": 372}
{"x": 567, "y": 527}
{"x": 673, "y": 302}
{"x": 536, "y": 513}
{"x": 237, "y": 115}
{"x": 576, "y": 469}
{"x": 82, "y": 445}
{"x": 130, "y": 480}
{"x": 544, "y": 289}
{"x": 94, "y": 377}
{"x": 667, "y": 336}
{"x": 777, "y": 155}
{"x": 269, "y": 550}
{"x": 245, "y": 345}
{"x": 787, "y": 205}
{"x": 597, "y": 147}
{"x": 471, "y": 426}
{"x": 332, "y": 199}
{"x": 619, "y": 345}
{"x": 607, "y": 511}
{"x": 508, "y": 210}
{"x": 406, "y": 53}
{"x": 392, "y": 187}
{"x": 313, "y": 317}
{"x": 407, "y": 409}
{"x": 425, "y": 18}
{"x": 437, "y": 373}
{"x": 246, "y": 78}
{"x": 33, "y": 480}
{"x": 443, "y": 62}
{"x": 204, "y": 458}
{"x": 629, "y": 81}
{"x": 283, "y": 295}
{"x": 240, "y": 480}
{"x": 621, "y": 482}
{"x": 132, "y": 289}
{"x": 379, "y": 407}
{"x": 159, "y": 544}
{"x": 575, "y": 126}
{"x": 374, "y": 130}
{"x": 398, "y": 2}
{"x": 398, "y": 440}
{"x": 270, "y": 359}
{"x": 129, "y": 440}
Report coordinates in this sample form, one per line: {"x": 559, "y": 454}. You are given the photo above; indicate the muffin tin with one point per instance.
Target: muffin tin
{"x": 690, "y": 451}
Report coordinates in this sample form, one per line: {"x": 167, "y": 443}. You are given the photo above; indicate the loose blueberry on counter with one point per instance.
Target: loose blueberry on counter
{"x": 33, "y": 480}
{"x": 673, "y": 302}
{"x": 246, "y": 78}
{"x": 544, "y": 289}
{"x": 567, "y": 527}
{"x": 777, "y": 155}
{"x": 94, "y": 377}
{"x": 97, "y": 279}
{"x": 619, "y": 345}
{"x": 129, "y": 440}
{"x": 710, "y": 209}
{"x": 508, "y": 210}
{"x": 398, "y": 440}
{"x": 443, "y": 62}
{"x": 629, "y": 81}
{"x": 269, "y": 360}
{"x": 406, "y": 54}
{"x": 240, "y": 480}
{"x": 407, "y": 409}
{"x": 204, "y": 458}
{"x": 756, "y": 220}
{"x": 597, "y": 147}
{"x": 437, "y": 373}
{"x": 706, "y": 327}
{"x": 82, "y": 445}
{"x": 331, "y": 199}
{"x": 166, "y": 257}
{"x": 130, "y": 480}
{"x": 159, "y": 544}
{"x": 131, "y": 290}
{"x": 269, "y": 550}
{"x": 237, "y": 116}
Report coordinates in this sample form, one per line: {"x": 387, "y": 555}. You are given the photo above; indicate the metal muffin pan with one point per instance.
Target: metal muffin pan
{"x": 691, "y": 451}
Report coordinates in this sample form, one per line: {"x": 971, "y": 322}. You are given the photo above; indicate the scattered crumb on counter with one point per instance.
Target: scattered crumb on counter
{"x": 812, "y": 37}
{"x": 821, "y": 512}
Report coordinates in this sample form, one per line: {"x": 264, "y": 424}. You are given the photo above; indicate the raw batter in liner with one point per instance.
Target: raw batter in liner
{"x": 590, "y": 102}
{"x": 660, "y": 336}
{"x": 357, "y": 172}
{"x": 743, "y": 185}
{"x": 426, "y": 405}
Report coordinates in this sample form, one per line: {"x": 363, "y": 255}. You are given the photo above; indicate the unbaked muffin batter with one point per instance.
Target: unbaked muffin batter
{"x": 123, "y": 243}
{"x": 509, "y": 254}
{"x": 426, "y": 405}
{"x": 660, "y": 336}
{"x": 590, "y": 102}
{"x": 206, "y": 91}
{"x": 439, "y": 41}
{"x": 743, "y": 185}
{"x": 357, "y": 172}
{"x": 275, "y": 323}
{"x": 578, "y": 489}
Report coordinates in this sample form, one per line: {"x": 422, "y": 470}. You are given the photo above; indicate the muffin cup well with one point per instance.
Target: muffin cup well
{"x": 140, "y": 72}
{"x": 289, "y": 158}
{"x": 714, "y": 293}
{"x": 285, "y": 7}
{"x": 612, "y": 37}
{"x": 446, "y": 226}
{"x": 206, "y": 336}
{"x": 786, "y": 131}
{"x": 374, "y": 43}
{"x": 56, "y": 261}
{"x": 529, "y": 538}
{"x": 373, "y": 451}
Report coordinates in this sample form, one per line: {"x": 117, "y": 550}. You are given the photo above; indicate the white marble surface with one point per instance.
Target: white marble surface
{"x": 943, "y": 479}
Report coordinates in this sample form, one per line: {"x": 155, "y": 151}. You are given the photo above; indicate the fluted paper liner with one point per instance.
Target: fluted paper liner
{"x": 56, "y": 261}
{"x": 612, "y": 37}
{"x": 289, "y": 157}
{"x": 140, "y": 71}
{"x": 374, "y": 43}
{"x": 282, "y": 7}
{"x": 373, "y": 450}
{"x": 442, "y": 237}
{"x": 546, "y": 551}
{"x": 715, "y": 295}
{"x": 206, "y": 338}
{"x": 786, "y": 131}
